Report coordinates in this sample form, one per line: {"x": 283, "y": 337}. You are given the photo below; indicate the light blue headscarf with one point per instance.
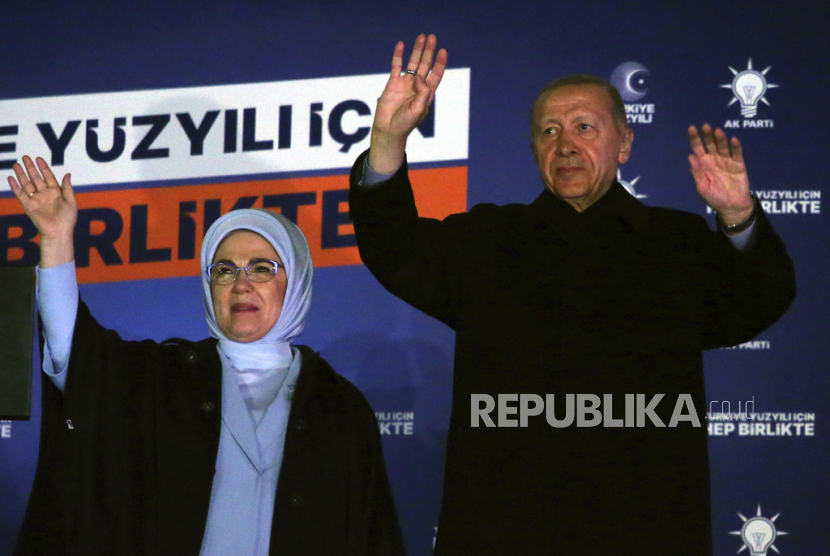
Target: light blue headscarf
{"x": 273, "y": 349}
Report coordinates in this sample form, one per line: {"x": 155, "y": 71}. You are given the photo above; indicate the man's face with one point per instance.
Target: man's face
{"x": 578, "y": 144}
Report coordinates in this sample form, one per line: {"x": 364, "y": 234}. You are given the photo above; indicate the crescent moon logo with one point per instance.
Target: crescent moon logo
{"x": 630, "y": 79}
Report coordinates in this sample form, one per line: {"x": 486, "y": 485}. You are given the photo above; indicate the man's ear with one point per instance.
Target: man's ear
{"x": 625, "y": 148}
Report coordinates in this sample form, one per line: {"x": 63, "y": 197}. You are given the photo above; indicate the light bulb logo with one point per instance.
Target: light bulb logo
{"x": 629, "y": 185}
{"x": 749, "y": 87}
{"x": 758, "y": 534}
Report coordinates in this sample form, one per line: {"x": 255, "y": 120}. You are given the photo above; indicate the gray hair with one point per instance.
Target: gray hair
{"x": 617, "y": 105}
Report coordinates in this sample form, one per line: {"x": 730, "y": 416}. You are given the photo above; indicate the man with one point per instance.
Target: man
{"x": 586, "y": 295}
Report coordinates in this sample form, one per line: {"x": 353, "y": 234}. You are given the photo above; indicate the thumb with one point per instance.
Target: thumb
{"x": 67, "y": 190}
{"x": 694, "y": 163}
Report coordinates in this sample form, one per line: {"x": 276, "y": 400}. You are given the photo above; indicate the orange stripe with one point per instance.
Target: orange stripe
{"x": 438, "y": 193}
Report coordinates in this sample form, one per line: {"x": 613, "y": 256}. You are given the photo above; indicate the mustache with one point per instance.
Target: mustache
{"x": 568, "y": 163}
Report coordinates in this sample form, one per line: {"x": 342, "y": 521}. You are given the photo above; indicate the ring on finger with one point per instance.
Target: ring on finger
{"x": 31, "y": 194}
{"x": 411, "y": 72}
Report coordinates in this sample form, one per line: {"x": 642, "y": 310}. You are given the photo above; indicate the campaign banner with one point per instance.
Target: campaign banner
{"x": 157, "y": 232}
{"x": 224, "y": 130}
{"x": 201, "y": 133}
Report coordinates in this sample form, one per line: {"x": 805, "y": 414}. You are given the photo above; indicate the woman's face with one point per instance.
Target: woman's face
{"x": 246, "y": 311}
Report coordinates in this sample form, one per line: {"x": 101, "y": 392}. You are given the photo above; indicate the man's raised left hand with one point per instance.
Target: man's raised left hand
{"x": 718, "y": 167}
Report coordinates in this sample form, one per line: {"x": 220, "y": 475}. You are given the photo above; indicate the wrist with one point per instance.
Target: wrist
{"x": 736, "y": 221}
{"x": 733, "y": 217}
{"x": 56, "y": 250}
{"x": 386, "y": 151}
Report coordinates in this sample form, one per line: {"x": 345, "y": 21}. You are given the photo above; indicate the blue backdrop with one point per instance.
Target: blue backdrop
{"x": 401, "y": 359}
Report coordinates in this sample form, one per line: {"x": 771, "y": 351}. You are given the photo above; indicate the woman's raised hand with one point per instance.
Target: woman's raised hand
{"x": 51, "y": 207}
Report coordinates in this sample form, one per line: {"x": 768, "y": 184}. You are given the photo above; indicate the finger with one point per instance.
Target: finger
{"x": 22, "y": 178}
{"x": 397, "y": 59}
{"x": 34, "y": 174}
{"x": 695, "y": 166}
{"x": 67, "y": 190}
{"x": 737, "y": 150}
{"x": 48, "y": 176}
{"x": 696, "y": 142}
{"x": 722, "y": 142}
{"x": 17, "y": 190}
{"x": 417, "y": 50}
{"x": 708, "y": 138}
{"x": 426, "y": 59}
{"x": 434, "y": 78}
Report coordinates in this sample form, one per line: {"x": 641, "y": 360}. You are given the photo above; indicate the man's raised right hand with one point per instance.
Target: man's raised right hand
{"x": 405, "y": 101}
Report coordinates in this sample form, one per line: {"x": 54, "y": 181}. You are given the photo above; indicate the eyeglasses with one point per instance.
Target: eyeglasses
{"x": 224, "y": 273}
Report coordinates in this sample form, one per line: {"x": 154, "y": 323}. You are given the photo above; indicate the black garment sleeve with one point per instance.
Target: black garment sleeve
{"x": 417, "y": 259}
{"x": 127, "y": 455}
{"x": 748, "y": 290}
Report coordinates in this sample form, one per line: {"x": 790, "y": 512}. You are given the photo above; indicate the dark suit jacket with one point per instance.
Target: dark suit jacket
{"x": 128, "y": 453}
{"x": 617, "y": 300}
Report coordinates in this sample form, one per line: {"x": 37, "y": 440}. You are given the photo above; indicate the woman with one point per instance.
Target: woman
{"x": 239, "y": 444}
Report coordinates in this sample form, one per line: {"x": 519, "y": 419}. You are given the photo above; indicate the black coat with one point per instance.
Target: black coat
{"x": 619, "y": 299}
{"x": 128, "y": 453}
